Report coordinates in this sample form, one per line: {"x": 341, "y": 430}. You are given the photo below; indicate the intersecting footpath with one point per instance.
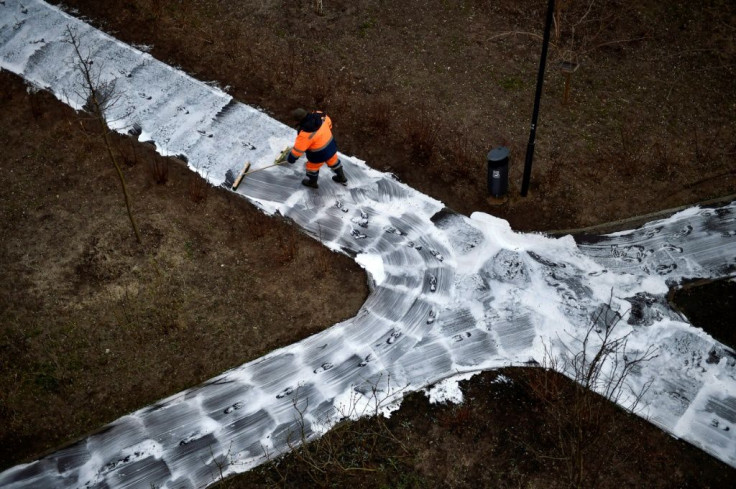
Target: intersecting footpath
{"x": 450, "y": 294}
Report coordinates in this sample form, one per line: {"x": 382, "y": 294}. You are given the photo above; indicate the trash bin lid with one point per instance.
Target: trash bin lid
{"x": 498, "y": 154}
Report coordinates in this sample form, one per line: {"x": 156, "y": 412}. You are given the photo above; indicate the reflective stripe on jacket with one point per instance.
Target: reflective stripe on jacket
{"x": 315, "y": 138}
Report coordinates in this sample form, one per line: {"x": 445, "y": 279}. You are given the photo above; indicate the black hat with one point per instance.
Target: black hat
{"x": 298, "y": 114}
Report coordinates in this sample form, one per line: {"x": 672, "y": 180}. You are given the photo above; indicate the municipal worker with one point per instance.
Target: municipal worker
{"x": 315, "y": 139}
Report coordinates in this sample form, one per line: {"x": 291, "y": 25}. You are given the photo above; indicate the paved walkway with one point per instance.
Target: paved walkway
{"x": 450, "y": 294}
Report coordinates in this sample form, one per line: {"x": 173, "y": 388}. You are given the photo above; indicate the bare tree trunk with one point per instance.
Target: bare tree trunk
{"x": 106, "y": 136}
{"x": 92, "y": 90}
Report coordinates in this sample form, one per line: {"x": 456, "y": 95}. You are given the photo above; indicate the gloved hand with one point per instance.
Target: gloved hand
{"x": 291, "y": 158}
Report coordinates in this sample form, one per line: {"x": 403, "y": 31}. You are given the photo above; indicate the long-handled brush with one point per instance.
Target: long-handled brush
{"x": 245, "y": 169}
{"x": 278, "y": 161}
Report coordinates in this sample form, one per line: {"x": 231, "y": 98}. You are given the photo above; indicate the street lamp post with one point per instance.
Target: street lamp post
{"x": 537, "y": 97}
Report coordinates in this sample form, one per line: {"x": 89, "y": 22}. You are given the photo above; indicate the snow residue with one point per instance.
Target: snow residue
{"x": 146, "y": 448}
{"x": 373, "y": 264}
{"x": 502, "y": 379}
{"x": 448, "y": 390}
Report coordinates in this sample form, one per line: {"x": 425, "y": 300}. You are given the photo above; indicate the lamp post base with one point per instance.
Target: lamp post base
{"x": 496, "y": 201}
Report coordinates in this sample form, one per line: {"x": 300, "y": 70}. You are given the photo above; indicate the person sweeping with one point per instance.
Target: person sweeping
{"x": 316, "y": 141}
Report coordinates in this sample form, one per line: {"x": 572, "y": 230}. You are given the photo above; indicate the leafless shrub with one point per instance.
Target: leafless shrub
{"x": 221, "y": 463}
{"x": 153, "y": 8}
{"x": 321, "y": 89}
{"x": 581, "y": 28}
{"x": 291, "y": 63}
{"x": 711, "y": 146}
{"x": 463, "y": 161}
{"x": 580, "y": 415}
{"x": 197, "y": 188}
{"x": 421, "y": 133}
{"x": 349, "y": 447}
{"x": 254, "y": 225}
{"x": 322, "y": 261}
{"x": 631, "y": 151}
{"x": 456, "y": 418}
{"x": 130, "y": 157}
{"x": 34, "y": 105}
{"x": 286, "y": 247}
{"x": 159, "y": 169}
{"x": 603, "y": 365}
{"x": 377, "y": 112}
{"x": 665, "y": 163}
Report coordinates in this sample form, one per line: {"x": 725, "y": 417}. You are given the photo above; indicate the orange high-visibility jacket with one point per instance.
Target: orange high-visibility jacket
{"x": 315, "y": 139}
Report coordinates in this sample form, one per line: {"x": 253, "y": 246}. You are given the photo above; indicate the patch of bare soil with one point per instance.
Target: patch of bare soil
{"x": 93, "y": 325}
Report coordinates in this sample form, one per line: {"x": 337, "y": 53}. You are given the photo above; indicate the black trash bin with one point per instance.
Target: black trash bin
{"x": 498, "y": 171}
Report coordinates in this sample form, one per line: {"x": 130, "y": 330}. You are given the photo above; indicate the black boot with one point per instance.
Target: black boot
{"x": 311, "y": 180}
{"x": 339, "y": 176}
